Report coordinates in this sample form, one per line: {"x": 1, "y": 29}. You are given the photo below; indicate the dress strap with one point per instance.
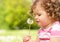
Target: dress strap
{"x": 49, "y": 30}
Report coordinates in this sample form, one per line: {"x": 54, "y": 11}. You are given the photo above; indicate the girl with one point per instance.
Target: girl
{"x": 47, "y": 15}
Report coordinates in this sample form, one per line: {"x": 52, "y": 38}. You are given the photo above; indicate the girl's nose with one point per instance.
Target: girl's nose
{"x": 36, "y": 17}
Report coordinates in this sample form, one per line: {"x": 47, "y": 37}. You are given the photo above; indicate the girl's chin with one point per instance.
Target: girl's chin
{"x": 40, "y": 25}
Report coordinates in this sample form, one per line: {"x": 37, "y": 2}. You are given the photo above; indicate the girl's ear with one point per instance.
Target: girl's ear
{"x": 55, "y": 39}
{"x": 50, "y": 16}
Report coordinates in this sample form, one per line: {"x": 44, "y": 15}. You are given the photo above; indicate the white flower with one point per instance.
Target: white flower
{"x": 29, "y": 21}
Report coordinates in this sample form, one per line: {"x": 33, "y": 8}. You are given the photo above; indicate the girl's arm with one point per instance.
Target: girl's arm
{"x": 55, "y": 39}
{"x": 37, "y": 39}
{"x": 28, "y": 39}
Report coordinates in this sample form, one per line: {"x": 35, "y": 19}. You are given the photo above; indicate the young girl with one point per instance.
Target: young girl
{"x": 47, "y": 15}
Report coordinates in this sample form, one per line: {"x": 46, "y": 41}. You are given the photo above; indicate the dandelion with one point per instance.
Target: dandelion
{"x": 29, "y": 21}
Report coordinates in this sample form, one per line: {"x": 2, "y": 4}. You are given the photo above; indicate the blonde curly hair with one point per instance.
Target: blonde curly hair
{"x": 50, "y": 6}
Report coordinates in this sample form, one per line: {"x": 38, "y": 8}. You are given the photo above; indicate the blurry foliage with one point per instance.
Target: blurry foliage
{"x": 14, "y": 14}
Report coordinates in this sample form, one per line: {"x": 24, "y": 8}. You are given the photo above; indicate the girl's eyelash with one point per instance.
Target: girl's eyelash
{"x": 36, "y": 14}
{"x": 39, "y": 14}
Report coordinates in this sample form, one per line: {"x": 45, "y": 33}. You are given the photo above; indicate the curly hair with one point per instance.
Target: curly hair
{"x": 50, "y": 6}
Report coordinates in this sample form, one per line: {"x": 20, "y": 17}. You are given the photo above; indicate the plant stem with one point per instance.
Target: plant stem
{"x": 29, "y": 29}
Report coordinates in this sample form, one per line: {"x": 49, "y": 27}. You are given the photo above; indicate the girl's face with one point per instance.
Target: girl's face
{"x": 41, "y": 16}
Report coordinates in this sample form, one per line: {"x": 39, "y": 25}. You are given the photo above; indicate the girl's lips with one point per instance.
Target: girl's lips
{"x": 37, "y": 21}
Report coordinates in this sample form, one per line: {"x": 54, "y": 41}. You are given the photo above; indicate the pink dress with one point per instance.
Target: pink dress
{"x": 53, "y": 31}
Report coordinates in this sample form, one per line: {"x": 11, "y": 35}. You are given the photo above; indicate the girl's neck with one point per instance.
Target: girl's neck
{"x": 49, "y": 25}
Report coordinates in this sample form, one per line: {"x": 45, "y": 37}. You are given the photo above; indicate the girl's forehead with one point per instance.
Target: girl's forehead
{"x": 38, "y": 9}
{"x": 37, "y": 6}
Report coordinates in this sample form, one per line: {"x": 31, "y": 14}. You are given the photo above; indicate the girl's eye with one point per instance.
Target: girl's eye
{"x": 39, "y": 14}
{"x": 36, "y": 14}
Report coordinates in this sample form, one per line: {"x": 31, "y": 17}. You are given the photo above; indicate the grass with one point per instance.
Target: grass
{"x": 15, "y": 35}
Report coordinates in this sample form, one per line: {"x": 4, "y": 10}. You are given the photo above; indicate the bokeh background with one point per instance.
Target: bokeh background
{"x": 13, "y": 20}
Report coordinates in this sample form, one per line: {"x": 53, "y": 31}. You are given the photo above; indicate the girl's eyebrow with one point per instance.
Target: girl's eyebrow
{"x": 38, "y": 13}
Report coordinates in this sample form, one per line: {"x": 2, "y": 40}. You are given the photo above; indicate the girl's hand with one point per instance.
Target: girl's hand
{"x": 27, "y": 38}
{"x": 31, "y": 40}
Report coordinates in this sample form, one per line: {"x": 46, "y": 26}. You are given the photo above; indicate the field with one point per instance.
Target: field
{"x": 15, "y": 35}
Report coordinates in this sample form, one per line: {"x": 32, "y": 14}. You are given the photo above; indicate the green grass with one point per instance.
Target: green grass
{"x": 15, "y": 35}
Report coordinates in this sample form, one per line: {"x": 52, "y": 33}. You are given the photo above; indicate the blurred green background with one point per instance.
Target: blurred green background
{"x": 16, "y": 35}
{"x": 13, "y": 20}
{"x": 14, "y": 14}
